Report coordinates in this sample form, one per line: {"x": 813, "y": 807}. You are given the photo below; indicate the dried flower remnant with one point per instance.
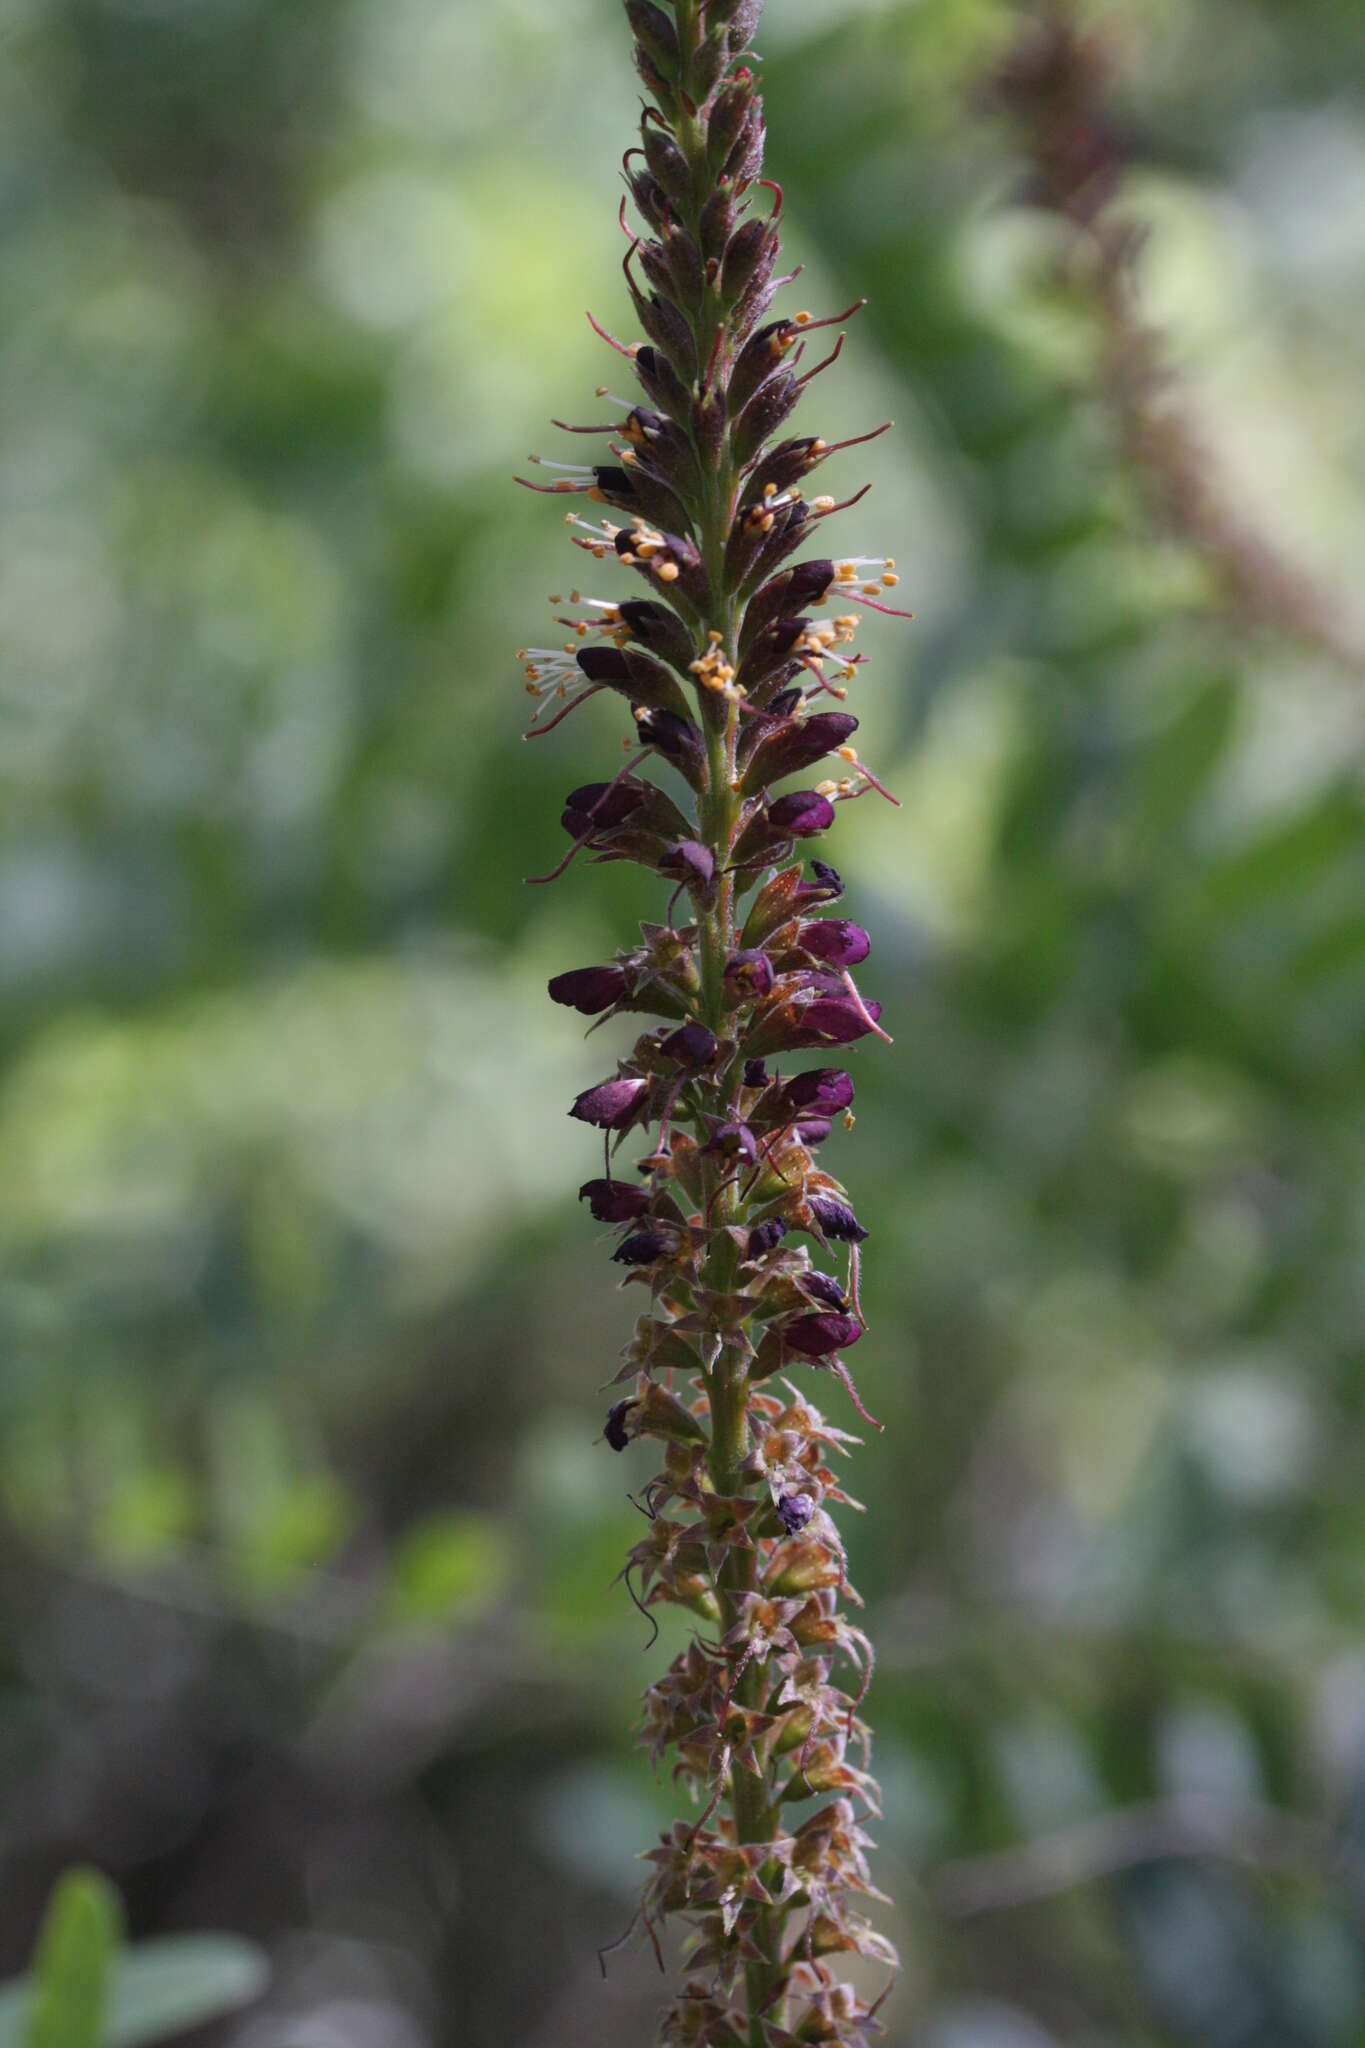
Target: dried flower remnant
{"x": 1055, "y": 84}
{"x": 733, "y": 685}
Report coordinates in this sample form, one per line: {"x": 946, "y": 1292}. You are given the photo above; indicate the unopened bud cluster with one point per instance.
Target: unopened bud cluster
{"x": 746, "y": 1247}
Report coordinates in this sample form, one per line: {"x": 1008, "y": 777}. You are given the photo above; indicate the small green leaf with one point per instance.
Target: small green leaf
{"x": 163, "y": 1987}
{"x": 81, "y": 1933}
{"x": 449, "y": 1566}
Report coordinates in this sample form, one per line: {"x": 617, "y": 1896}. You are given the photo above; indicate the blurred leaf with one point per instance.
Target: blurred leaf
{"x": 64, "y": 2001}
{"x": 165, "y": 1987}
{"x": 448, "y": 1567}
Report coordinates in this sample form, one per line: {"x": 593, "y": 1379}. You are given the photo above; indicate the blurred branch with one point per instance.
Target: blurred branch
{"x": 1054, "y": 84}
{"x": 1260, "y": 1838}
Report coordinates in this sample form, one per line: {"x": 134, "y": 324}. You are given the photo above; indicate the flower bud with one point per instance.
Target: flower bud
{"x": 820, "y": 1335}
{"x": 836, "y": 940}
{"x": 835, "y": 1219}
{"x": 834, "y": 1020}
{"x": 825, "y": 1288}
{"x": 748, "y": 973}
{"x": 588, "y": 989}
{"x": 825, "y": 1090}
{"x": 801, "y": 814}
{"x": 728, "y": 116}
{"x": 601, "y": 806}
{"x": 755, "y": 1074}
{"x": 749, "y": 247}
{"x": 689, "y": 861}
{"x": 812, "y": 1132}
{"x": 666, "y": 161}
{"x": 770, "y": 405}
{"x": 735, "y": 1140}
{"x": 611, "y": 1105}
{"x": 614, "y": 1201}
{"x": 692, "y": 1045}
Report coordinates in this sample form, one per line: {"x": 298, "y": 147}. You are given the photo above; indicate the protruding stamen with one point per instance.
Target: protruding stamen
{"x": 807, "y": 323}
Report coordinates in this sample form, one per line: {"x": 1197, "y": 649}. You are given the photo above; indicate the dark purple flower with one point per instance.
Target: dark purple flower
{"x": 588, "y": 989}
{"x": 641, "y": 1248}
{"x": 825, "y": 1090}
{"x": 824, "y": 1287}
{"x": 835, "y": 1020}
{"x": 826, "y": 885}
{"x": 796, "y": 744}
{"x": 692, "y": 1045}
{"x": 611, "y": 1104}
{"x": 614, "y": 1430}
{"x": 812, "y": 1132}
{"x": 677, "y": 739}
{"x": 614, "y": 1201}
{"x": 835, "y": 1218}
{"x": 765, "y": 1237}
{"x": 801, "y": 814}
{"x": 794, "y": 1510}
{"x": 644, "y": 680}
{"x": 835, "y": 939}
{"x": 735, "y": 1139}
{"x": 820, "y": 1335}
{"x": 755, "y": 1074}
{"x": 749, "y": 972}
{"x": 598, "y": 805}
{"x": 689, "y": 861}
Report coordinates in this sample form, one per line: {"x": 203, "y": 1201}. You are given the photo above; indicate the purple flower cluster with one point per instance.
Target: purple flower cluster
{"x": 733, "y": 674}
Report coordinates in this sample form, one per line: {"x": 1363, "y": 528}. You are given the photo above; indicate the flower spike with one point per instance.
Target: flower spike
{"x": 728, "y": 1222}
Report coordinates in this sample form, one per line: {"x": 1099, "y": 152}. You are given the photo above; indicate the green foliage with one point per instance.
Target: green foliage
{"x": 87, "y": 1991}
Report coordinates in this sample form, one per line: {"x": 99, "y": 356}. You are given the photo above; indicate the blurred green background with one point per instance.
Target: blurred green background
{"x": 307, "y": 1627}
